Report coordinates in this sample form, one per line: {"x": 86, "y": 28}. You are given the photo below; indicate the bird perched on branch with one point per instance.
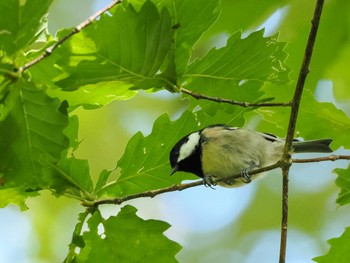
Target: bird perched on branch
{"x": 218, "y": 152}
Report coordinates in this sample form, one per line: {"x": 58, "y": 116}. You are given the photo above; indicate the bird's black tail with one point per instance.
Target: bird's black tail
{"x": 321, "y": 146}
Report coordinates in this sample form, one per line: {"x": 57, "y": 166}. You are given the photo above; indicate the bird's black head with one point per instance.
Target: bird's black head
{"x": 186, "y": 155}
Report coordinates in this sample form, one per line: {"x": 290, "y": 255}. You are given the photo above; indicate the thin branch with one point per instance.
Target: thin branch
{"x": 304, "y": 71}
{"x": 199, "y": 96}
{"x": 286, "y": 159}
{"x": 76, "y": 30}
{"x": 284, "y": 220}
{"x": 152, "y": 193}
{"x": 253, "y": 172}
{"x": 173, "y": 188}
{"x": 180, "y": 187}
{"x": 322, "y": 159}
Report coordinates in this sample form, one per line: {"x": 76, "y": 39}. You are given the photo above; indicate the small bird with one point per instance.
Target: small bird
{"x": 218, "y": 152}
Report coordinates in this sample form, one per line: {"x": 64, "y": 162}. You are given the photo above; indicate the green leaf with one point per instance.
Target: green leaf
{"x": 339, "y": 251}
{"x": 125, "y": 45}
{"x": 145, "y": 163}
{"x": 252, "y": 58}
{"x": 237, "y": 71}
{"x": 248, "y": 91}
{"x": 331, "y": 122}
{"x": 343, "y": 182}
{"x": 193, "y": 19}
{"x": 94, "y": 96}
{"x": 71, "y": 131}
{"x": 31, "y": 133}
{"x": 327, "y": 121}
{"x": 15, "y": 197}
{"x": 21, "y": 22}
{"x": 102, "y": 180}
{"x": 127, "y": 238}
{"x": 76, "y": 172}
{"x": 77, "y": 239}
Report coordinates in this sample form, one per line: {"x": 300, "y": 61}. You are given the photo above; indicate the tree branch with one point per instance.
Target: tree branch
{"x": 322, "y": 159}
{"x": 76, "y": 30}
{"x": 286, "y": 158}
{"x": 180, "y": 187}
{"x": 199, "y": 96}
{"x": 152, "y": 193}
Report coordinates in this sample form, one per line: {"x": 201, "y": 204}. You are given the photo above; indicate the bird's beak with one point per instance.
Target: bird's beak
{"x": 174, "y": 170}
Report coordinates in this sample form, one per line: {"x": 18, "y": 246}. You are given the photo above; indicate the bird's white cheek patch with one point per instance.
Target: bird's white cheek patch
{"x": 188, "y": 148}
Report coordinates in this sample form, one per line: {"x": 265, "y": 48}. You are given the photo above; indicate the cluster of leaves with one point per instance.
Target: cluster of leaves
{"x": 136, "y": 46}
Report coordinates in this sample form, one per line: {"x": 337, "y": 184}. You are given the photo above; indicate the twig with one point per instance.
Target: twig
{"x": 173, "y": 188}
{"x": 151, "y": 193}
{"x": 322, "y": 159}
{"x": 199, "y": 96}
{"x": 286, "y": 159}
{"x": 76, "y": 30}
{"x": 180, "y": 187}
{"x": 253, "y": 172}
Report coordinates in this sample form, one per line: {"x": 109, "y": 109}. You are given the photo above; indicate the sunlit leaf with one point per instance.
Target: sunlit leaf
{"x": 125, "y": 45}
{"x": 15, "y": 197}
{"x": 95, "y": 96}
{"x": 252, "y": 58}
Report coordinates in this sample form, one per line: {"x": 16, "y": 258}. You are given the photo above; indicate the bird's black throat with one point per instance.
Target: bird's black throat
{"x": 192, "y": 164}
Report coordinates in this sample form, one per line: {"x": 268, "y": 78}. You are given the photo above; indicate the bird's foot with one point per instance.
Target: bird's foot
{"x": 246, "y": 177}
{"x": 209, "y": 181}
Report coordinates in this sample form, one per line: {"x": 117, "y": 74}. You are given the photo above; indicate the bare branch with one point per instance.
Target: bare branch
{"x": 304, "y": 70}
{"x": 76, "y": 30}
{"x": 199, "y": 96}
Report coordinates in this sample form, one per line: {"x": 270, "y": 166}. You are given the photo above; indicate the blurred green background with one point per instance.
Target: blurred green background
{"x": 222, "y": 225}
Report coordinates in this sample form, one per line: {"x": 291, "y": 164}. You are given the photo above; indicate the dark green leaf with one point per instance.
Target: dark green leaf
{"x": 127, "y": 238}
{"x": 31, "y": 132}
